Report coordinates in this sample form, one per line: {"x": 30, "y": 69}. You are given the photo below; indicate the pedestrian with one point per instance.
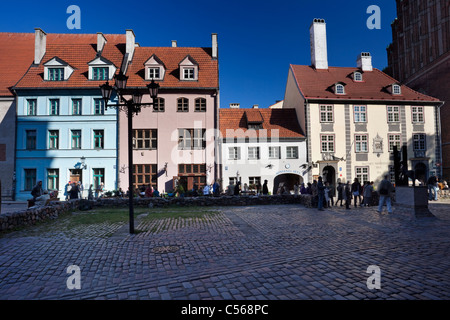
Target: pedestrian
{"x": 237, "y": 188}
{"x": 303, "y": 189}
{"x": 320, "y": 194}
{"x": 90, "y": 195}
{"x": 296, "y": 189}
{"x": 148, "y": 191}
{"x": 356, "y": 191}
{"x": 80, "y": 190}
{"x": 315, "y": 195}
{"x": 339, "y": 193}
{"x": 206, "y": 190}
{"x": 265, "y": 188}
{"x": 327, "y": 194}
{"x": 348, "y": 195}
{"x": 216, "y": 188}
{"x": 74, "y": 192}
{"x": 433, "y": 188}
{"x": 258, "y": 188}
{"x": 368, "y": 189}
{"x": 66, "y": 190}
{"x": 385, "y": 189}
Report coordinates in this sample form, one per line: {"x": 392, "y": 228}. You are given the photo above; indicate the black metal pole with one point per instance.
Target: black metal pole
{"x": 130, "y": 166}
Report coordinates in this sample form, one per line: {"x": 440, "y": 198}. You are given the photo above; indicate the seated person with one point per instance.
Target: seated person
{"x": 42, "y": 200}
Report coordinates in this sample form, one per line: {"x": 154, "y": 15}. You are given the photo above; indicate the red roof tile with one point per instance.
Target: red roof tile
{"x": 318, "y": 84}
{"x": 208, "y": 74}
{"x": 77, "y": 51}
{"x": 275, "y": 121}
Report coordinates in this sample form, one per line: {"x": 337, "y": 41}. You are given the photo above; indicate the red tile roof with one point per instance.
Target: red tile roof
{"x": 77, "y": 50}
{"x": 16, "y": 56}
{"x": 208, "y": 74}
{"x": 318, "y": 84}
{"x": 275, "y": 121}
{"x": 254, "y": 116}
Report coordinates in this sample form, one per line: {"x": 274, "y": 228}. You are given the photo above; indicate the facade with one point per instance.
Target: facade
{"x": 419, "y": 57}
{"x": 64, "y": 132}
{"x": 174, "y": 140}
{"x": 353, "y": 116}
{"x": 21, "y": 47}
{"x": 262, "y": 144}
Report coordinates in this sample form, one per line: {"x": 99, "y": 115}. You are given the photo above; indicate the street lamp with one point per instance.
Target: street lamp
{"x": 130, "y": 106}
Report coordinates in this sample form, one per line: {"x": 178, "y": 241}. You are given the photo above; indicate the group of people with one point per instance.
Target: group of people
{"x": 236, "y": 189}
{"x": 323, "y": 194}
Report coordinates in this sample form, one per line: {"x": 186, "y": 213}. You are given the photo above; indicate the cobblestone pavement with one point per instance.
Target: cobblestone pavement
{"x": 259, "y": 252}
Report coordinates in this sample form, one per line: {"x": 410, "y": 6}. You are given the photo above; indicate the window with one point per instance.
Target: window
{"x": 326, "y": 113}
{"x": 145, "y": 174}
{"x": 362, "y": 173}
{"x": 234, "y": 153}
{"x": 253, "y": 153}
{"x": 31, "y": 139}
{"x": 182, "y": 105}
{"x": 154, "y": 73}
{"x": 292, "y": 152}
{"x": 396, "y": 89}
{"x": 419, "y": 142}
{"x": 76, "y": 139}
{"x": 274, "y": 153}
{"x": 232, "y": 180}
{"x": 340, "y": 89}
{"x": 200, "y": 104}
{"x": 159, "y": 105}
{"x": 54, "y": 107}
{"x": 360, "y": 113}
{"x": 357, "y": 76}
{"x": 55, "y": 74}
{"x": 100, "y": 73}
{"x": 145, "y": 139}
{"x": 99, "y": 177}
{"x": 253, "y": 182}
{"x": 53, "y": 142}
{"x": 99, "y": 106}
{"x": 393, "y": 114}
{"x": 417, "y": 114}
{"x": 327, "y": 143}
{"x": 76, "y": 107}
{"x": 361, "y": 143}
{"x": 30, "y": 179}
{"x": 191, "y": 139}
{"x": 53, "y": 179}
{"x": 99, "y": 139}
{"x": 31, "y": 107}
{"x": 189, "y": 73}
{"x": 394, "y": 140}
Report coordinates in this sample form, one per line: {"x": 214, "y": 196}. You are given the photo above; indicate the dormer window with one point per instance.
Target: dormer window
{"x": 100, "y": 73}
{"x": 57, "y": 70}
{"x": 188, "y": 69}
{"x": 101, "y": 69}
{"x": 55, "y": 74}
{"x": 154, "y": 69}
{"x": 339, "y": 88}
{"x": 357, "y": 76}
{"x": 396, "y": 89}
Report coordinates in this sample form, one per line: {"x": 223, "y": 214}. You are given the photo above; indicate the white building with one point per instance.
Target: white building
{"x": 262, "y": 144}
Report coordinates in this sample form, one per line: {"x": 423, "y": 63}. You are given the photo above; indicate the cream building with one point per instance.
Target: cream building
{"x": 354, "y": 116}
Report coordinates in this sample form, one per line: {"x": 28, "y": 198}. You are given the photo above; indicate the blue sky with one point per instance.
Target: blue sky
{"x": 257, "y": 39}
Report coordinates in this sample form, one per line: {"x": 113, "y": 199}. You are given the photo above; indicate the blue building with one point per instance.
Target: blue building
{"x": 64, "y": 133}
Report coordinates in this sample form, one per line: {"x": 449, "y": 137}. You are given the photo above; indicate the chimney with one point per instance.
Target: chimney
{"x": 318, "y": 37}
{"x": 40, "y": 45}
{"x": 101, "y": 41}
{"x": 234, "y": 105}
{"x": 364, "y": 61}
{"x": 131, "y": 44}
{"x": 174, "y": 43}
{"x": 214, "y": 45}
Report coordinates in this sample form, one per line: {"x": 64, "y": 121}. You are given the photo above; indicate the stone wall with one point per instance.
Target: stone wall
{"x": 33, "y": 215}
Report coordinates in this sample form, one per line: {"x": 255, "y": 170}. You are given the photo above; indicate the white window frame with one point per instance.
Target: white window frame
{"x": 253, "y": 153}
{"x": 326, "y": 113}
{"x": 154, "y": 73}
{"x": 234, "y": 153}
{"x": 396, "y": 89}
{"x": 274, "y": 152}
{"x": 393, "y": 113}
{"x": 328, "y": 143}
{"x": 417, "y": 114}
{"x": 292, "y": 152}
{"x": 361, "y": 143}
{"x": 419, "y": 142}
{"x": 359, "y": 114}
{"x": 340, "y": 89}
{"x": 362, "y": 173}
{"x": 394, "y": 139}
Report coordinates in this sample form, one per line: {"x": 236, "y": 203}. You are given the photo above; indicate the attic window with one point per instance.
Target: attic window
{"x": 188, "y": 74}
{"x": 396, "y": 89}
{"x": 357, "y": 76}
{"x": 340, "y": 89}
{"x": 255, "y": 126}
{"x": 55, "y": 74}
{"x": 154, "y": 73}
{"x": 100, "y": 73}
{"x": 189, "y": 69}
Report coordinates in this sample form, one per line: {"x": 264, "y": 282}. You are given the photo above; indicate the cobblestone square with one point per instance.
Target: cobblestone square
{"x": 268, "y": 252}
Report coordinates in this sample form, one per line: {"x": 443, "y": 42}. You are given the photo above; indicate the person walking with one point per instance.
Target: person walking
{"x": 368, "y": 189}
{"x": 348, "y": 195}
{"x": 432, "y": 188}
{"x": 320, "y": 194}
{"x": 265, "y": 188}
{"x": 339, "y": 193}
{"x": 385, "y": 189}
{"x": 356, "y": 191}
{"x": 331, "y": 194}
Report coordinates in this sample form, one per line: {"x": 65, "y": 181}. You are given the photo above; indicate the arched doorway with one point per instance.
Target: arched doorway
{"x": 420, "y": 172}
{"x": 329, "y": 175}
{"x": 287, "y": 181}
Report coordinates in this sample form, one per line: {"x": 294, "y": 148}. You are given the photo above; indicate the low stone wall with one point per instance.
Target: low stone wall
{"x": 33, "y": 215}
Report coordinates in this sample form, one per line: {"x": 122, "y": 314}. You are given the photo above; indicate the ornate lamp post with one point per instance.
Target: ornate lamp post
{"x": 131, "y": 107}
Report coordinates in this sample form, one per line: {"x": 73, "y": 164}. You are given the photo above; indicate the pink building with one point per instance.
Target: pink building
{"x": 174, "y": 141}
